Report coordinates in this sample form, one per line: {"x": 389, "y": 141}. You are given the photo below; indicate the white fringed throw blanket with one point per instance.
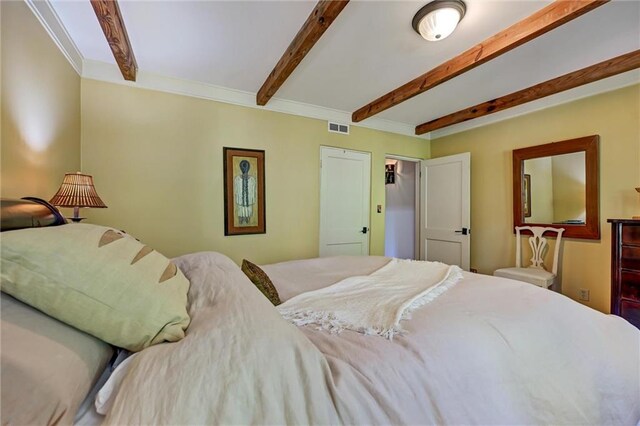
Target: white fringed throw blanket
{"x": 376, "y": 303}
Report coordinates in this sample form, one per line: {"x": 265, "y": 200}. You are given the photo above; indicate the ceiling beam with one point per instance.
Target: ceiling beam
{"x": 552, "y": 16}
{"x": 112, "y": 24}
{"x": 574, "y": 79}
{"x": 322, "y": 16}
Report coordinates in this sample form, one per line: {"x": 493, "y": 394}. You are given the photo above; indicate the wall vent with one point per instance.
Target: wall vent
{"x": 338, "y": 128}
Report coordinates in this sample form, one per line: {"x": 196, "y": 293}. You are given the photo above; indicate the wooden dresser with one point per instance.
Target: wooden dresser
{"x": 625, "y": 269}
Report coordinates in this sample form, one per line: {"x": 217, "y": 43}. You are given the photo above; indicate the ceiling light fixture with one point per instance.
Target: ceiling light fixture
{"x": 438, "y": 19}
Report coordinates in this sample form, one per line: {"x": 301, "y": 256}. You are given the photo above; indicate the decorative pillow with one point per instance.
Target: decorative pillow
{"x": 99, "y": 280}
{"x": 262, "y": 281}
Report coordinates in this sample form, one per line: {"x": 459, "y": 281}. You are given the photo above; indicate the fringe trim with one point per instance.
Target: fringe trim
{"x": 329, "y": 322}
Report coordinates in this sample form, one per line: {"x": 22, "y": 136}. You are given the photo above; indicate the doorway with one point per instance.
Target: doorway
{"x": 402, "y": 218}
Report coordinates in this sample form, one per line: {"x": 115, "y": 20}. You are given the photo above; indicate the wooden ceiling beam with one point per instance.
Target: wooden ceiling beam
{"x": 552, "y": 16}
{"x": 322, "y": 16}
{"x": 112, "y": 24}
{"x": 611, "y": 67}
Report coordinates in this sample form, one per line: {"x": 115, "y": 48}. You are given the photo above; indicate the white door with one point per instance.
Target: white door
{"x": 345, "y": 180}
{"x": 445, "y": 213}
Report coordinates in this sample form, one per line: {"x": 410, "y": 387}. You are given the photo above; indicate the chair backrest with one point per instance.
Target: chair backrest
{"x": 538, "y": 244}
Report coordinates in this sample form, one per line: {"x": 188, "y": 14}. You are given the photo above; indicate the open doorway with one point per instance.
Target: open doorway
{"x": 402, "y": 218}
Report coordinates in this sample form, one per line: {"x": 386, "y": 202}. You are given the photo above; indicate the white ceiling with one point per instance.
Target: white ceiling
{"x": 369, "y": 50}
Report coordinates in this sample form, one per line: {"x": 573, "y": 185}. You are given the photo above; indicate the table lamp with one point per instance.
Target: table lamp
{"x": 77, "y": 191}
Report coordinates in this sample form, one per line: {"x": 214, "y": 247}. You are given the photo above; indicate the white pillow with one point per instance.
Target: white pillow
{"x": 107, "y": 394}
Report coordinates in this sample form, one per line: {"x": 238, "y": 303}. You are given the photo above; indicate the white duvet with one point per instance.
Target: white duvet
{"x": 488, "y": 351}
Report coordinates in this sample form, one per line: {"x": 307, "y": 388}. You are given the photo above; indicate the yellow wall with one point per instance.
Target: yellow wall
{"x": 157, "y": 163}
{"x": 157, "y": 160}
{"x": 40, "y": 136}
{"x": 541, "y": 190}
{"x": 569, "y": 187}
{"x": 615, "y": 116}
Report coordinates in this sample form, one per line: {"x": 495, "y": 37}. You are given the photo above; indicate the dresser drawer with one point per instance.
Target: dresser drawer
{"x": 631, "y": 312}
{"x": 630, "y": 258}
{"x": 631, "y": 234}
{"x": 630, "y": 285}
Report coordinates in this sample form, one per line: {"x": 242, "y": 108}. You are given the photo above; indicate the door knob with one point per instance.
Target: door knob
{"x": 364, "y": 229}
{"x": 464, "y": 231}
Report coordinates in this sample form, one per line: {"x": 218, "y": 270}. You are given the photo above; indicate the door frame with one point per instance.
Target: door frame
{"x": 416, "y": 226}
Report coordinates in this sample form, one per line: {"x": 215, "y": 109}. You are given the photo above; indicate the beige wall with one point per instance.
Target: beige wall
{"x": 615, "y": 116}
{"x": 157, "y": 160}
{"x": 40, "y": 136}
{"x": 541, "y": 173}
{"x": 569, "y": 187}
{"x": 157, "y": 163}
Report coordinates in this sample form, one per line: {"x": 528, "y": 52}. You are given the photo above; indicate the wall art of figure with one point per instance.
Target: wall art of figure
{"x": 245, "y": 193}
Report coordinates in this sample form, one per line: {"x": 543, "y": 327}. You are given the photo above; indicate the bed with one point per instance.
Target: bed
{"x": 486, "y": 351}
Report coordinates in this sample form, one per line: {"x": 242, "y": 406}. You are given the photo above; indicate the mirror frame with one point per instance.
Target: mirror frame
{"x": 589, "y": 145}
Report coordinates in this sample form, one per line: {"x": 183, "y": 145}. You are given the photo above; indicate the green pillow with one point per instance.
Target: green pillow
{"x": 99, "y": 280}
{"x": 262, "y": 281}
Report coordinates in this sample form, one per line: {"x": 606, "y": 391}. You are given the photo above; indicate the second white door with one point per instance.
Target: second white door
{"x": 445, "y": 211}
{"x": 345, "y": 180}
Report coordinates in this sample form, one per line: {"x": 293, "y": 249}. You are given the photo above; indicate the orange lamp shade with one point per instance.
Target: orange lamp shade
{"x": 77, "y": 190}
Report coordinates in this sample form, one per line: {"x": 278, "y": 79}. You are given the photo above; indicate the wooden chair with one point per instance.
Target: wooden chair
{"x": 535, "y": 273}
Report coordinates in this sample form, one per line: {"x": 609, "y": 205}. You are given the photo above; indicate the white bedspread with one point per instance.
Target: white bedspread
{"x": 488, "y": 351}
{"x": 375, "y": 303}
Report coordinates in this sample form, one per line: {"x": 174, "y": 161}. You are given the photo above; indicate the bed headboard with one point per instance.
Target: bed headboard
{"x": 28, "y": 212}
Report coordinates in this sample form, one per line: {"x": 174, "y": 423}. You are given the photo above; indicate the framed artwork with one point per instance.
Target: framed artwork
{"x": 244, "y": 205}
{"x": 389, "y": 174}
{"x": 526, "y": 199}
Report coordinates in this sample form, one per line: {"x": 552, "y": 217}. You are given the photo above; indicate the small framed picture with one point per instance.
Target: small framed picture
{"x": 389, "y": 174}
{"x": 244, "y": 191}
{"x": 526, "y": 199}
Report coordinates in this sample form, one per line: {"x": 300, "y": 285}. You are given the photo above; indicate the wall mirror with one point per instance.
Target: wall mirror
{"x": 556, "y": 185}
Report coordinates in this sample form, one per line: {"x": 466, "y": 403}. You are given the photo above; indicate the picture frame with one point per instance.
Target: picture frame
{"x": 526, "y": 184}
{"x": 389, "y": 174}
{"x": 244, "y": 191}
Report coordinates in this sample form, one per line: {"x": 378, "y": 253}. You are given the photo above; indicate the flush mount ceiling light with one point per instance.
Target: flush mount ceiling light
{"x": 438, "y": 19}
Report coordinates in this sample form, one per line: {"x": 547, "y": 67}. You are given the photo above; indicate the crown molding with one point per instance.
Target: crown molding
{"x": 51, "y": 22}
{"x": 108, "y": 72}
{"x": 619, "y": 81}
{"x": 103, "y": 71}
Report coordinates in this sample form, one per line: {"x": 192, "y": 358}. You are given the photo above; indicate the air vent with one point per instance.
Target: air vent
{"x": 338, "y": 128}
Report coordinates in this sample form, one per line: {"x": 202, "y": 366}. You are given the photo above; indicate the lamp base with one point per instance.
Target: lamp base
{"x": 76, "y": 219}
